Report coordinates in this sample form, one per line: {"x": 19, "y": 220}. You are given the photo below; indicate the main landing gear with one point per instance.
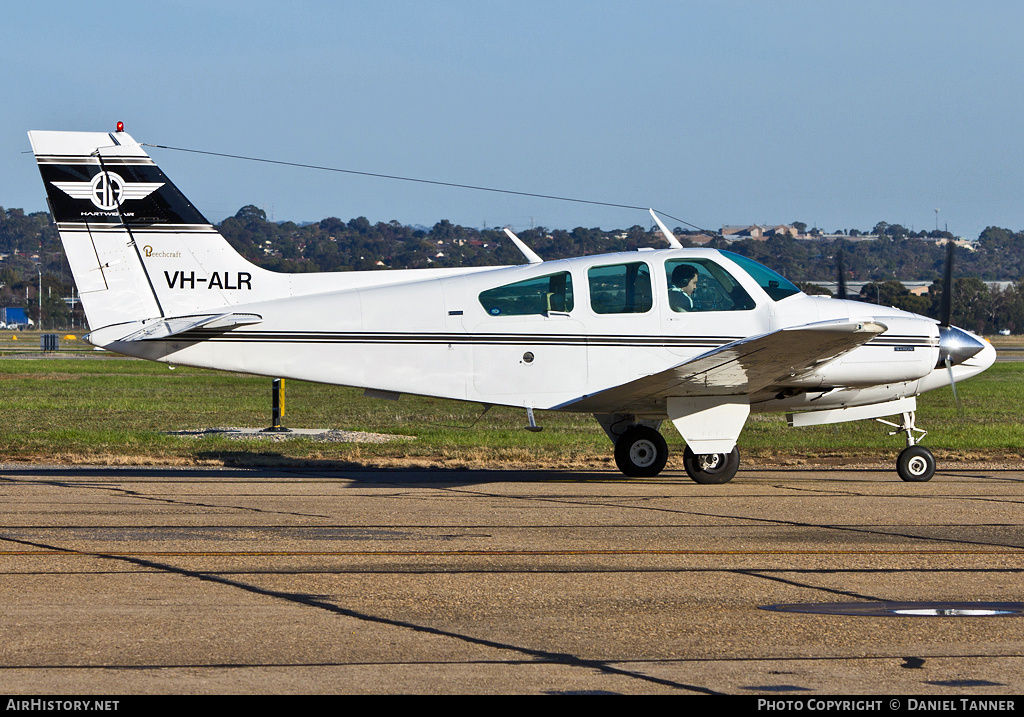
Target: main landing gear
{"x": 711, "y": 468}
{"x": 915, "y": 463}
{"x": 641, "y": 452}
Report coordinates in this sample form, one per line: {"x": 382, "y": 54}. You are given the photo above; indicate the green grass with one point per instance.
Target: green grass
{"x": 107, "y": 409}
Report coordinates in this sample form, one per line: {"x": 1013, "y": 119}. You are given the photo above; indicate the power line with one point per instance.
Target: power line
{"x": 423, "y": 181}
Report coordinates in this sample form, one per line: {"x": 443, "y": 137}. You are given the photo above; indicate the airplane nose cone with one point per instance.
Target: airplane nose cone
{"x": 956, "y": 344}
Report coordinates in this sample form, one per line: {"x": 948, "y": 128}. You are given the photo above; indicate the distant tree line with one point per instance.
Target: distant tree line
{"x": 29, "y": 250}
{"x": 29, "y": 246}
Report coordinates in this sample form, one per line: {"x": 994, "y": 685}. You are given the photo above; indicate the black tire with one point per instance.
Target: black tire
{"x": 712, "y": 468}
{"x": 915, "y": 464}
{"x": 641, "y": 452}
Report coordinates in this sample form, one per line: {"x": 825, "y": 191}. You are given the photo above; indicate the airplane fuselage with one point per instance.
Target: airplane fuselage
{"x": 429, "y": 332}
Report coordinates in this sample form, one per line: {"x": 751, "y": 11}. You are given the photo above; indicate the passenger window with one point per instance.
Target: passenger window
{"x": 543, "y": 295}
{"x": 702, "y": 285}
{"x": 621, "y": 288}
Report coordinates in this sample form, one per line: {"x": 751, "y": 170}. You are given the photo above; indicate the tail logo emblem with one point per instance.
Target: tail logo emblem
{"x": 107, "y": 190}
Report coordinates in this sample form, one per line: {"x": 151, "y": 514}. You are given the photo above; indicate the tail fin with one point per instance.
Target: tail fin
{"x": 137, "y": 247}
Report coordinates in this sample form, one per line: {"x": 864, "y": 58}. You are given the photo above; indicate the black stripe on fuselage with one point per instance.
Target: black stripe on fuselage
{"x": 482, "y": 339}
{"x": 914, "y": 341}
{"x": 320, "y": 337}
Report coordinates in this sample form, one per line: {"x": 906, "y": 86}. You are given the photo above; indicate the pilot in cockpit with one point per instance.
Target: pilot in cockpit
{"x": 680, "y": 293}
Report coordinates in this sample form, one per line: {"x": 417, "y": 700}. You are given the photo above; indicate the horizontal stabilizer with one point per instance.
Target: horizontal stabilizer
{"x": 156, "y": 329}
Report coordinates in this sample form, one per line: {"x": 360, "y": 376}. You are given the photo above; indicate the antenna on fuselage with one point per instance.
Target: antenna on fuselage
{"x": 530, "y": 255}
{"x": 673, "y": 242}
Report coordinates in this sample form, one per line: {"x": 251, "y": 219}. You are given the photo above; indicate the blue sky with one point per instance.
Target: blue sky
{"x": 838, "y": 114}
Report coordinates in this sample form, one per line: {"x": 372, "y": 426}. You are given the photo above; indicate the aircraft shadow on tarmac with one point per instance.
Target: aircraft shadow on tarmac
{"x": 239, "y": 465}
{"x": 362, "y": 473}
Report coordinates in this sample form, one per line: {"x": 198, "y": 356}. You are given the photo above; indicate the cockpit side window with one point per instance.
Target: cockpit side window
{"x": 774, "y": 284}
{"x": 543, "y": 295}
{"x": 621, "y": 288}
{"x": 703, "y": 285}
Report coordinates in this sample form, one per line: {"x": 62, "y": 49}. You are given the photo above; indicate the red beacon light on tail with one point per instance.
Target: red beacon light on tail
{"x": 120, "y": 126}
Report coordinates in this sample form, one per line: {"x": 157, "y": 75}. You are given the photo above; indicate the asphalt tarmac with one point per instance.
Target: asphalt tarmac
{"x": 135, "y": 581}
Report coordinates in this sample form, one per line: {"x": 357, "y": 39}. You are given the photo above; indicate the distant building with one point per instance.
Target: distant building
{"x": 847, "y": 237}
{"x": 734, "y": 232}
{"x": 699, "y": 239}
{"x": 968, "y": 244}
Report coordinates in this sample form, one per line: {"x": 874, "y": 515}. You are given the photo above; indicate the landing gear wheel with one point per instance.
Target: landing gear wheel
{"x": 711, "y": 468}
{"x": 915, "y": 464}
{"x": 641, "y": 452}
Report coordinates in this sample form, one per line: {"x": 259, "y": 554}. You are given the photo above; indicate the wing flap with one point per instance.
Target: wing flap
{"x": 738, "y": 368}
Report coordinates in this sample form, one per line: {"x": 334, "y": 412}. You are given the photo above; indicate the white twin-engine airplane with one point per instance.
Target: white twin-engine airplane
{"x": 696, "y": 336}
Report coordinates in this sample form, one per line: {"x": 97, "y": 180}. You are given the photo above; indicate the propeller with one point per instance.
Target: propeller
{"x": 952, "y": 383}
{"x": 955, "y": 345}
{"x": 841, "y": 285}
{"x": 946, "y": 303}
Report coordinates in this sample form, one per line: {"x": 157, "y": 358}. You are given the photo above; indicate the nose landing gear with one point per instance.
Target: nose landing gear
{"x": 915, "y": 463}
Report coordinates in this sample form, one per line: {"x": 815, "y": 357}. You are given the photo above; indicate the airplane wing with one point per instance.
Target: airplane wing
{"x": 739, "y": 368}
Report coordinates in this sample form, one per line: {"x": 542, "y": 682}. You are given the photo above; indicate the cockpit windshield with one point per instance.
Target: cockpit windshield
{"x": 774, "y": 284}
